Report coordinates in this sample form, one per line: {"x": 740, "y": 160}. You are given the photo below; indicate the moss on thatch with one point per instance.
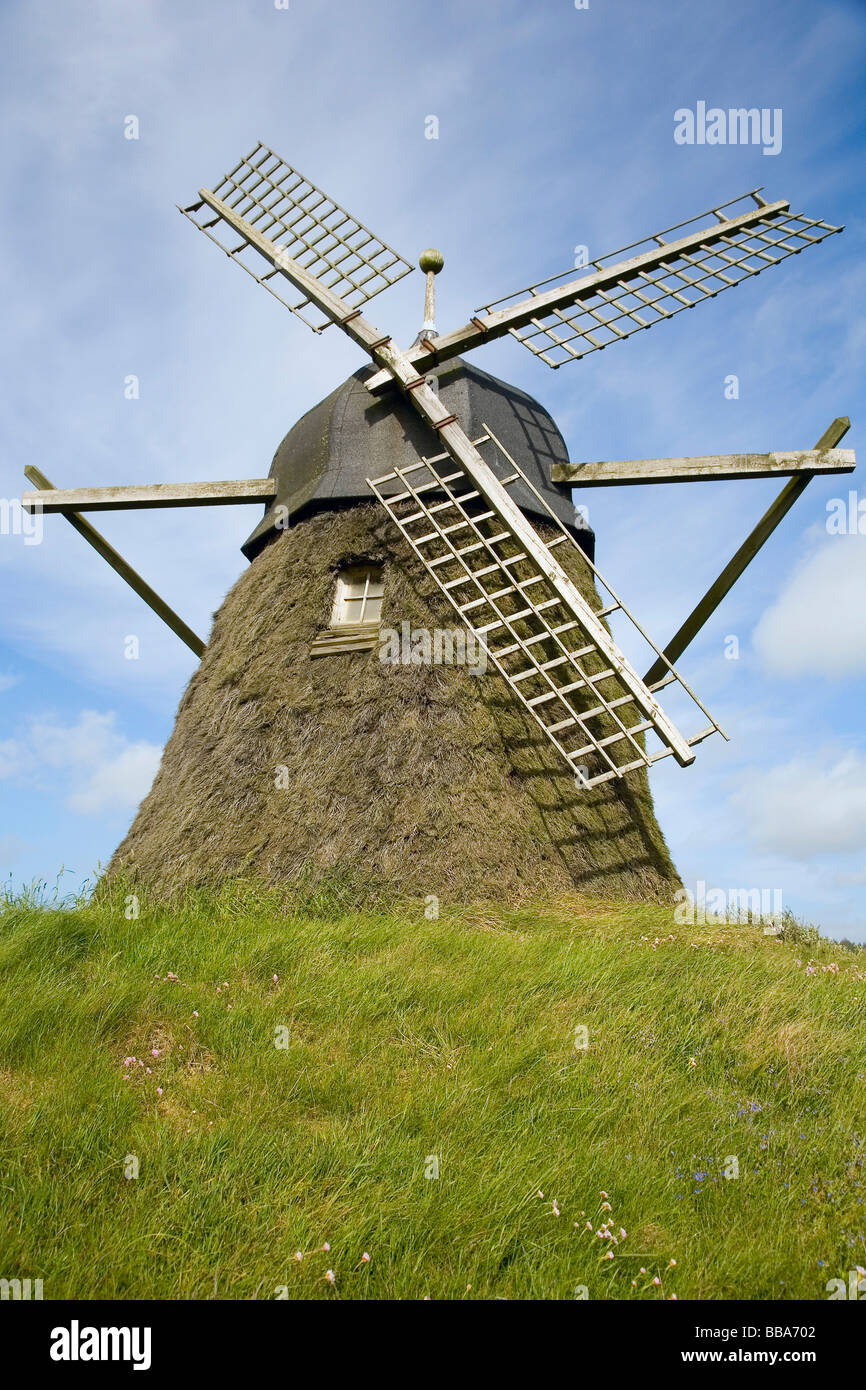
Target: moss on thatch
{"x": 427, "y": 779}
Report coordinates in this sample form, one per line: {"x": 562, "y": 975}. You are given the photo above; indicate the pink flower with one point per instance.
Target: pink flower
{"x": 154, "y": 1052}
{"x": 325, "y": 1248}
{"x": 274, "y": 979}
{"x": 329, "y": 1275}
{"x": 195, "y": 1013}
{"x": 365, "y": 1258}
{"x": 159, "y": 1090}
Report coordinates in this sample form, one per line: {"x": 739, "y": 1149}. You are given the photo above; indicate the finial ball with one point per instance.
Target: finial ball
{"x": 431, "y": 259}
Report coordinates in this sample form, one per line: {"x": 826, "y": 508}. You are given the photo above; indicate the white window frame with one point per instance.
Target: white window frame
{"x": 370, "y": 597}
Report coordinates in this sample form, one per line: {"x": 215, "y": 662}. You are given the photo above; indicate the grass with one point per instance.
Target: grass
{"x": 409, "y": 1039}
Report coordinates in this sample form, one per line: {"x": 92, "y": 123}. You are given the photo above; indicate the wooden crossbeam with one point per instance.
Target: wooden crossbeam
{"x": 707, "y": 468}
{"x": 120, "y": 566}
{"x": 744, "y": 556}
{"x": 109, "y": 499}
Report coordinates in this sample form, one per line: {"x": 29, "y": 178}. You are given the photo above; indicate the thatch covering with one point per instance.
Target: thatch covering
{"x": 424, "y": 779}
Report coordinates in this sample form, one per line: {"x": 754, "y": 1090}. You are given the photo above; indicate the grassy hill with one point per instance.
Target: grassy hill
{"x": 412, "y": 1043}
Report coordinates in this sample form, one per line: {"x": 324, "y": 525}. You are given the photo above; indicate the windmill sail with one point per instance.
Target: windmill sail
{"x": 566, "y": 317}
{"x": 548, "y": 652}
{"x": 660, "y": 279}
{"x": 305, "y": 225}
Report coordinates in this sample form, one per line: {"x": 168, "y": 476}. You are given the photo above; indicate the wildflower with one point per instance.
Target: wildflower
{"x": 642, "y": 1270}
{"x": 154, "y": 1052}
{"x": 673, "y": 1298}
{"x": 274, "y": 979}
{"x": 330, "y": 1276}
{"x": 159, "y": 1090}
{"x": 609, "y": 1255}
{"x": 148, "y": 1071}
{"x": 671, "y": 1263}
{"x": 588, "y": 1225}
{"x": 195, "y": 1013}
{"x": 556, "y": 1210}
{"x": 325, "y": 1248}
{"x": 623, "y": 1233}
{"x": 605, "y": 1206}
{"x": 541, "y": 1194}
{"x": 693, "y": 1061}
{"x": 604, "y": 1194}
{"x": 365, "y": 1258}
{"x": 656, "y": 1280}
{"x": 298, "y": 1256}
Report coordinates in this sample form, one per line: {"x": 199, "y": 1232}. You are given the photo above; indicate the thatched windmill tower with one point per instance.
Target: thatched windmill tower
{"x": 298, "y": 748}
{"x": 418, "y": 529}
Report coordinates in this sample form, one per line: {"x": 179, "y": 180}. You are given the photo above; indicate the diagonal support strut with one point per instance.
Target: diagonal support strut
{"x": 120, "y": 566}
{"x": 745, "y": 555}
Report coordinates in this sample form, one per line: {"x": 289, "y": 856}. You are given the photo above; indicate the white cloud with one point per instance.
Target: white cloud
{"x": 99, "y": 768}
{"x": 806, "y": 807}
{"x": 817, "y": 625}
{"x": 119, "y": 783}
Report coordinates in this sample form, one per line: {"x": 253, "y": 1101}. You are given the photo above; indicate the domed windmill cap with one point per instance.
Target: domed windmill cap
{"x": 326, "y": 458}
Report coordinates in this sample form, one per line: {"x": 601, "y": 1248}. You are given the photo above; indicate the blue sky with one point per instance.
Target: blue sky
{"x": 555, "y": 130}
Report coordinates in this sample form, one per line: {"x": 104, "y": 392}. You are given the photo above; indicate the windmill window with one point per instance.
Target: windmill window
{"x": 358, "y": 601}
{"x": 357, "y": 612}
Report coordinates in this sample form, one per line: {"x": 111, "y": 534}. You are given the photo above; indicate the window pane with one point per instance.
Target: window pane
{"x": 373, "y": 613}
{"x": 352, "y": 610}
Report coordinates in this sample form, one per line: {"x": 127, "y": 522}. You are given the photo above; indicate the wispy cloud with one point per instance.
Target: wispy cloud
{"x": 817, "y": 625}
{"x": 95, "y": 768}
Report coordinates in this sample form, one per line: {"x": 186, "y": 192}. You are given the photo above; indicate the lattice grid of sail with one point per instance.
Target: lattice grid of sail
{"x": 307, "y": 226}
{"x": 652, "y": 286}
{"x": 548, "y": 658}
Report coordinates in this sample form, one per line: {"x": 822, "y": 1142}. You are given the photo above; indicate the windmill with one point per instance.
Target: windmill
{"x": 484, "y": 530}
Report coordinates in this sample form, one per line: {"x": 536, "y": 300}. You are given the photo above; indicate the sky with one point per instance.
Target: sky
{"x": 554, "y": 129}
